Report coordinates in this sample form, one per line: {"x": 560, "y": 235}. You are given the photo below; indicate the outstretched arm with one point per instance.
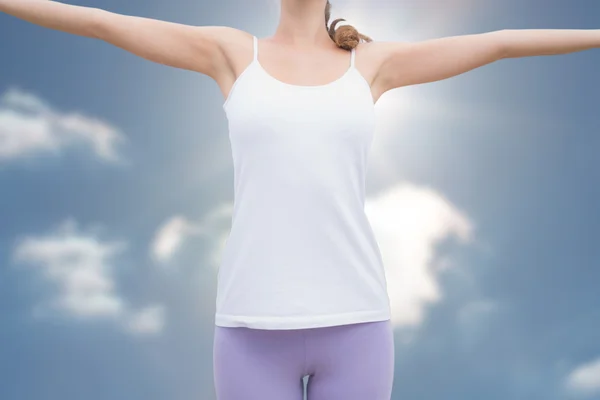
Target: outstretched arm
{"x": 195, "y": 48}
{"x": 405, "y": 63}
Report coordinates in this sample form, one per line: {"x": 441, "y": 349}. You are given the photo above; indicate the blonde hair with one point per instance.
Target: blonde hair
{"x": 346, "y": 36}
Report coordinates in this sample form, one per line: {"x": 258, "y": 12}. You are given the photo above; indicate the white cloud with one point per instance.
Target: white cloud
{"x": 409, "y": 221}
{"x": 584, "y": 380}
{"x": 149, "y": 320}
{"x": 170, "y": 235}
{"x": 78, "y": 266}
{"x": 29, "y": 126}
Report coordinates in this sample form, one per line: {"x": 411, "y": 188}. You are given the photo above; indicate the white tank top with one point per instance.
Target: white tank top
{"x": 301, "y": 252}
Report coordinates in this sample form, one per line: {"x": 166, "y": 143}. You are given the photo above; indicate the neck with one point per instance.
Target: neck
{"x": 302, "y": 22}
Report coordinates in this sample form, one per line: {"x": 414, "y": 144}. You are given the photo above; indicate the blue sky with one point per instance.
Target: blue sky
{"x": 116, "y": 187}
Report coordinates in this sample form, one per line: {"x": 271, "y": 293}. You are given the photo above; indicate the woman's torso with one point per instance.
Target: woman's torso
{"x": 301, "y": 252}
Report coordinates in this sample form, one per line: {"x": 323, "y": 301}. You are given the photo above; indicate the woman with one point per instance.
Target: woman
{"x": 302, "y": 288}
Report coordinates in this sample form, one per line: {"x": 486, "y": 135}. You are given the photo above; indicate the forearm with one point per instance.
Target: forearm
{"x": 539, "y": 42}
{"x": 73, "y": 19}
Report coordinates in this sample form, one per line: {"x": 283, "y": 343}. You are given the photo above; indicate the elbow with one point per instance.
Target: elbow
{"x": 98, "y": 23}
{"x": 502, "y": 43}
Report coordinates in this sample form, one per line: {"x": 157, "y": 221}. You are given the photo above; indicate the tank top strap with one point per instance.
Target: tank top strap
{"x": 255, "y": 43}
{"x": 352, "y": 57}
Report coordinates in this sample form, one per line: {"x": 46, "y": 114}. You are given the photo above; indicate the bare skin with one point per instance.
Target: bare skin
{"x": 300, "y": 52}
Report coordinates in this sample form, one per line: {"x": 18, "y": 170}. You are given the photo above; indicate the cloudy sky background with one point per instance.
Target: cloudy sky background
{"x": 116, "y": 188}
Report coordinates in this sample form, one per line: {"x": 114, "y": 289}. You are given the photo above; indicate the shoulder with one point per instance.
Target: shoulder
{"x": 373, "y": 59}
{"x": 233, "y": 40}
{"x": 372, "y": 56}
{"x": 234, "y": 47}
{"x": 226, "y": 39}
{"x": 379, "y": 51}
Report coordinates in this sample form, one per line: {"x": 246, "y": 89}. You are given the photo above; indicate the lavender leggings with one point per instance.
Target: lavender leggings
{"x": 345, "y": 362}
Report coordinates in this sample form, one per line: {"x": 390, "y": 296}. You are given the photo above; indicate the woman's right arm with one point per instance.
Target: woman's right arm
{"x": 197, "y": 48}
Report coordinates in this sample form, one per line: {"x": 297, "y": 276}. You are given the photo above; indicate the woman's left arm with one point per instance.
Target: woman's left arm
{"x": 405, "y": 63}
